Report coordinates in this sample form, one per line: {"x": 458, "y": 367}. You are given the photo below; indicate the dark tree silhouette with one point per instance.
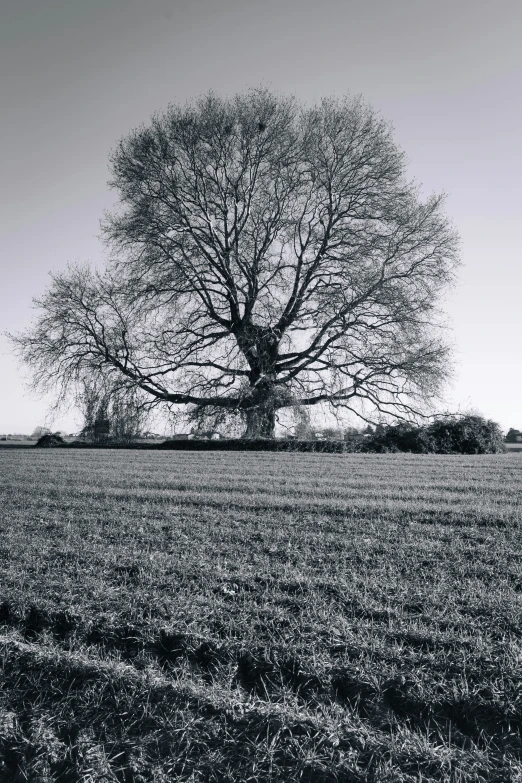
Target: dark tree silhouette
{"x": 267, "y": 254}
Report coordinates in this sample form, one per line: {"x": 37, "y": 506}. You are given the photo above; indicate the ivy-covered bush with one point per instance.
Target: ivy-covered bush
{"x": 50, "y": 440}
{"x": 466, "y": 435}
{"x": 399, "y": 437}
{"x": 446, "y": 435}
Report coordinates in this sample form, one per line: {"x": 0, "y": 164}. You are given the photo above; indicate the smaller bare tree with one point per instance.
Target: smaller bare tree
{"x": 39, "y": 431}
{"x": 127, "y": 420}
{"x": 110, "y": 413}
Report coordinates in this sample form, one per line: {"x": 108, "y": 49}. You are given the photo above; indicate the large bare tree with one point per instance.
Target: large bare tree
{"x": 267, "y": 254}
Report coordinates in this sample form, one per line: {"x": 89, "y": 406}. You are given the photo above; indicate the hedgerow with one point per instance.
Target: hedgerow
{"x": 445, "y": 435}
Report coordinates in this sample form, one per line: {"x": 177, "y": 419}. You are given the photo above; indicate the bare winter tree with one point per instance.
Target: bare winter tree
{"x": 268, "y": 254}
{"x": 109, "y": 412}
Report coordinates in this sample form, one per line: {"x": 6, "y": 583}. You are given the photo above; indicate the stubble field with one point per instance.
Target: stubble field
{"x": 259, "y": 617}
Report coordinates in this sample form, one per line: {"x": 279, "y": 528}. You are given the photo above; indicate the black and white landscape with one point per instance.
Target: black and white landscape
{"x": 259, "y": 415}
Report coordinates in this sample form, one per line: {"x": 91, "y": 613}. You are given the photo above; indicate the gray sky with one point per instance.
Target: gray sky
{"x": 76, "y": 76}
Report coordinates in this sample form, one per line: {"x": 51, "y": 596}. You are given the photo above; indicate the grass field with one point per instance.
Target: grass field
{"x": 260, "y": 617}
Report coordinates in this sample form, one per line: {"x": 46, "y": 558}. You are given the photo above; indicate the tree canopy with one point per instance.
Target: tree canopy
{"x": 265, "y": 254}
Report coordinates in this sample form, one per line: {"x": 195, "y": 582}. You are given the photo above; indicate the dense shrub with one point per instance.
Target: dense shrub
{"x": 400, "y": 437}
{"x": 448, "y": 435}
{"x": 466, "y": 435}
{"x": 50, "y": 440}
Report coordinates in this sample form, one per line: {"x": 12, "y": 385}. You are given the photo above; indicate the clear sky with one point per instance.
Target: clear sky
{"x": 77, "y": 75}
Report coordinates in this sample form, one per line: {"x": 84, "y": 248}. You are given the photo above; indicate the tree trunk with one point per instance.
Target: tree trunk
{"x": 260, "y": 422}
{"x": 260, "y": 346}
